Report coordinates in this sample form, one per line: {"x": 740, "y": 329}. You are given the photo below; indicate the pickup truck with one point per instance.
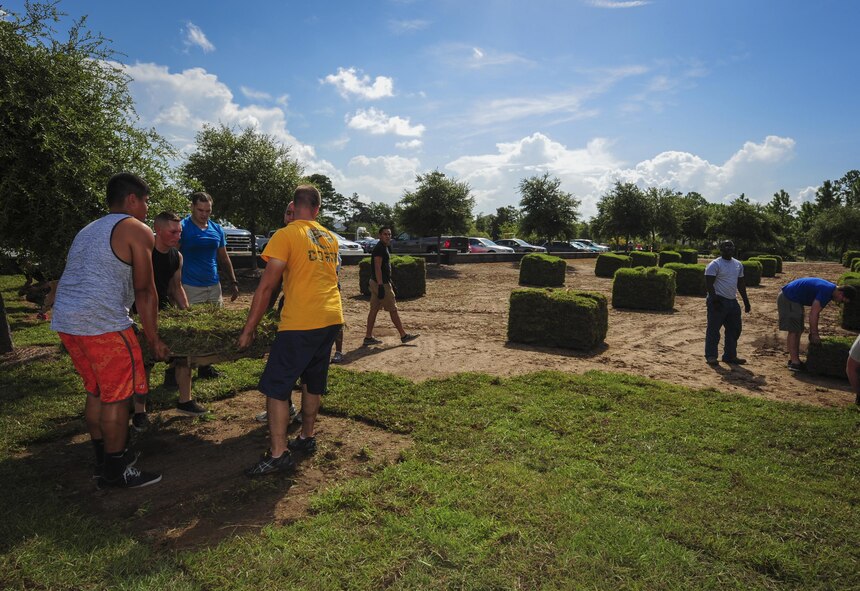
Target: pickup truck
{"x": 238, "y": 246}
{"x": 410, "y": 244}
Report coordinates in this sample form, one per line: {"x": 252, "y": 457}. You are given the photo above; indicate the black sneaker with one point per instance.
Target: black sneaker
{"x": 735, "y": 361}
{"x": 295, "y": 415}
{"x": 191, "y": 408}
{"x": 797, "y": 366}
{"x": 131, "y": 478}
{"x": 170, "y": 379}
{"x": 306, "y": 445}
{"x": 371, "y": 341}
{"x": 140, "y": 422}
{"x": 131, "y": 458}
{"x": 268, "y": 465}
{"x": 207, "y": 372}
{"x": 408, "y": 337}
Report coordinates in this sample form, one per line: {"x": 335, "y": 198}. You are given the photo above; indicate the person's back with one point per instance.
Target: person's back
{"x": 806, "y": 290}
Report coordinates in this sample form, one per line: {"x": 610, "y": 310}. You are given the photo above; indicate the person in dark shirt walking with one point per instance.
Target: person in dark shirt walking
{"x": 381, "y": 291}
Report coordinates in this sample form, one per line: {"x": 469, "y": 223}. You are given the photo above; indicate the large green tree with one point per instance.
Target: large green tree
{"x": 249, "y": 174}
{"x": 334, "y": 205}
{"x": 624, "y": 211}
{"x": 547, "y": 210}
{"x": 664, "y": 215}
{"x": 67, "y": 123}
{"x": 745, "y": 223}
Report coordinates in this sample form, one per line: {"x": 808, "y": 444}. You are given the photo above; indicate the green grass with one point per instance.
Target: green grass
{"x": 551, "y": 481}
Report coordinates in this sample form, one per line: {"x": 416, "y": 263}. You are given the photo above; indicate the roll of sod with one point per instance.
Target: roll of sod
{"x": 566, "y": 318}
{"x": 849, "y": 256}
{"x": 829, "y": 357}
{"x": 689, "y": 256}
{"x": 689, "y": 279}
{"x": 542, "y": 270}
{"x": 855, "y": 266}
{"x": 669, "y": 256}
{"x": 752, "y": 273}
{"x": 608, "y": 263}
{"x": 768, "y": 265}
{"x": 851, "y": 310}
{"x": 643, "y": 259}
{"x": 408, "y": 274}
{"x": 644, "y": 288}
{"x": 778, "y": 262}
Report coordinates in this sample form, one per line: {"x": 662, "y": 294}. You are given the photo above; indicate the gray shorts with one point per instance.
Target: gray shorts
{"x": 211, "y": 294}
{"x": 854, "y": 353}
{"x": 790, "y": 314}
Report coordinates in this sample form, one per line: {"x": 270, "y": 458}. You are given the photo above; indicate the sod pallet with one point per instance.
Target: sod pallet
{"x": 565, "y": 318}
{"x": 849, "y": 256}
{"x": 768, "y": 265}
{"x": 829, "y": 357}
{"x": 689, "y": 256}
{"x": 644, "y": 288}
{"x": 643, "y": 259}
{"x": 851, "y": 310}
{"x": 855, "y": 266}
{"x": 542, "y": 270}
{"x": 669, "y": 256}
{"x": 689, "y": 279}
{"x": 608, "y": 263}
{"x": 408, "y": 274}
{"x": 752, "y": 273}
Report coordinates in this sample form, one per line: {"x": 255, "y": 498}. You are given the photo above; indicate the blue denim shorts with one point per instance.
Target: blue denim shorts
{"x": 298, "y": 354}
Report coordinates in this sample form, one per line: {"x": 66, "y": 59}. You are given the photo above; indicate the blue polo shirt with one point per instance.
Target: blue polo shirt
{"x": 199, "y": 250}
{"x": 808, "y": 289}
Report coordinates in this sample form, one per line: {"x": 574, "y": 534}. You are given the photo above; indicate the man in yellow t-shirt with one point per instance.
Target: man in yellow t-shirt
{"x": 303, "y": 257}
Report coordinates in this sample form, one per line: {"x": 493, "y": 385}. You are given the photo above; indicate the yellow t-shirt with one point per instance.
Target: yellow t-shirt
{"x": 311, "y": 297}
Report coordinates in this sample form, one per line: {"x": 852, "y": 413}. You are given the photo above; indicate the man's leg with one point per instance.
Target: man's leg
{"x": 93, "y": 415}
{"x": 371, "y": 321}
{"x": 793, "y": 342}
{"x": 183, "y": 379}
{"x": 712, "y": 332}
{"x": 279, "y": 418}
{"x": 395, "y": 318}
{"x": 733, "y": 324}
{"x": 310, "y": 409}
{"x": 113, "y": 424}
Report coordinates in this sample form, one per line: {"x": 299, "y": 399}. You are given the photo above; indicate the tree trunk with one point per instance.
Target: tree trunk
{"x": 5, "y": 332}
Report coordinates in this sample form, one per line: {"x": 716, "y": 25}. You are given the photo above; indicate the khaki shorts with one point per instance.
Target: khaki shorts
{"x": 211, "y": 294}
{"x": 388, "y": 303}
{"x": 790, "y": 314}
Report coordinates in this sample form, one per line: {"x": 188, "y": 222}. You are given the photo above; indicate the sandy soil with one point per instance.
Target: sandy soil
{"x": 463, "y": 325}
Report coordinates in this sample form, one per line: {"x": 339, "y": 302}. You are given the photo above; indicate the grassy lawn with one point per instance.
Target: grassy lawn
{"x": 544, "y": 481}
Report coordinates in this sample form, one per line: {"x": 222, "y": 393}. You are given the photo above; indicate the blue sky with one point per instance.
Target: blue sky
{"x": 720, "y": 97}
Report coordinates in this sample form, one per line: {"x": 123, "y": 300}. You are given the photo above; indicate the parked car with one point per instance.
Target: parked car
{"x": 585, "y": 247}
{"x": 519, "y": 245}
{"x": 238, "y": 245}
{"x": 368, "y": 243}
{"x": 405, "y": 242}
{"x": 587, "y": 242}
{"x": 347, "y": 246}
{"x": 563, "y": 246}
{"x": 482, "y": 245}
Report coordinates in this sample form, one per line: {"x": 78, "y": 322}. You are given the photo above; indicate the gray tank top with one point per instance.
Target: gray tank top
{"x": 96, "y": 290}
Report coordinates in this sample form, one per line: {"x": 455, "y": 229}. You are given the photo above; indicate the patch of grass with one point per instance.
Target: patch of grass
{"x": 554, "y": 481}
{"x": 27, "y": 330}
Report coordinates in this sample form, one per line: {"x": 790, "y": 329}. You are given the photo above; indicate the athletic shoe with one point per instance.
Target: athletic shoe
{"x": 796, "y": 366}
{"x": 295, "y": 416}
{"x": 712, "y": 361}
{"x": 170, "y": 379}
{"x": 268, "y": 465}
{"x": 371, "y": 341}
{"x": 140, "y": 422}
{"x": 304, "y": 445}
{"x": 207, "y": 372}
{"x": 191, "y": 408}
{"x": 736, "y": 361}
{"x": 262, "y": 417}
{"x": 338, "y": 357}
{"x": 131, "y": 478}
{"x": 408, "y": 337}
{"x": 130, "y": 458}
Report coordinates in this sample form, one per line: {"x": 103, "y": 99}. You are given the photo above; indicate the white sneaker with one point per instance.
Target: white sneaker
{"x": 338, "y": 357}
{"x": 262, "y": 417}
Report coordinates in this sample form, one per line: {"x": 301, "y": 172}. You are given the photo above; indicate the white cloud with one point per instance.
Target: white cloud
{"x": 461, "y": 55}
{"x": 348, "y": 83}
{"x": 378, "y": 123}
{"x": 255, "y": 94}
{"x": 409, "y": 145}
{"x": 614, "y": 4}
{"x": 194, "y": 36}
{"x": 400, "y": 27}
{"x": 380, "y": 178}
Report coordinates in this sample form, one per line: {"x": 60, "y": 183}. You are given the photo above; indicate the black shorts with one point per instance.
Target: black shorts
{"x": 298, "y": 354}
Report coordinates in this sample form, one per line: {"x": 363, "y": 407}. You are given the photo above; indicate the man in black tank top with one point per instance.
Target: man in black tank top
{"x": 167, "y": 268}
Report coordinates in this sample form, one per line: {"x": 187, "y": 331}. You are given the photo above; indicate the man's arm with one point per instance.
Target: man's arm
{"x": 268, "y": 282}
{"x": 380, "y": 289}
{"x": 226, "y": 265}
{"x": 175, "y": 291}
{"x": 742, "y": 288}
{"x": 814, "y": 313}
{"x": 712, "y": 293}
{"x": 140, "y": 243}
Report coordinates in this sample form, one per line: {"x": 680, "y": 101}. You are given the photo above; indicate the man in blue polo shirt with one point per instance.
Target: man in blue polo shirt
{"x": 806, "y": 291}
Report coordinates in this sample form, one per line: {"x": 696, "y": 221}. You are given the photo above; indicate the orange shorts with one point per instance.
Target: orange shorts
{"x": 111, "y": 364}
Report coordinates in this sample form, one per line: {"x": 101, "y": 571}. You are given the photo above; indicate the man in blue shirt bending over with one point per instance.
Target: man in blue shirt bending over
{"x": 806, "y": 291}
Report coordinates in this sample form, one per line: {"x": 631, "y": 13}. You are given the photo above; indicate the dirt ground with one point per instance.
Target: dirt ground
{"x": 463, "y": 325}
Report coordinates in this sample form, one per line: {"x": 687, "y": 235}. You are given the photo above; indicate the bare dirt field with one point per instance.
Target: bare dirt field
{"x": 463, "y": 325}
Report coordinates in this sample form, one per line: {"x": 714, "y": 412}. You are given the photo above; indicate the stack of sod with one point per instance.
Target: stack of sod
{"x": 669, "y": 256}
{"x": 752, "y": 273}
{"x": 849, "y": 256}
{"x": 542, "y": 270}
{"x": 768, "y": 265}
{"x": 689, "y": 279}
{"x": 205, "y": 329}
{"x": 643, "y": 259}
{"x": 644, "y": 288}
{"x": 608, "y": 263}
{"x": 829, "y": 357}
{"x": 570, "y": 319}
{"x": 689, "y": 256}
{"x": 851, "y": 310}
{"x": 855, "y": 266}
{"x": 778, "y": 262}
{"x": 408, "y": 274}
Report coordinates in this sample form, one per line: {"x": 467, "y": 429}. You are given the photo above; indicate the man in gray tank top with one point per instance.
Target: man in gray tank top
{"x": 109, "y": 267}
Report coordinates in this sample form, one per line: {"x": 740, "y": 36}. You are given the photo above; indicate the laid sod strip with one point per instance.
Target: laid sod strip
{"x": 548, "y": 480}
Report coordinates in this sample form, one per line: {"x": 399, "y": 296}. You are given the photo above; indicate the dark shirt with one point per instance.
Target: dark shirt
{"x": 164, "y": 266}
{"x": 380, "y": 250}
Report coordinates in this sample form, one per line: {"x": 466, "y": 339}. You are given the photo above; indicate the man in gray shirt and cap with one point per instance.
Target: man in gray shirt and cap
{"x": 724, "y": 277}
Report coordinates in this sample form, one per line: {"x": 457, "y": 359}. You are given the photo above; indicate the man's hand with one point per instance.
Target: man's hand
{"x": 160, "y": 351}
{"x": 747, "y": 307}
{"x": 380, "y": 291}
{"x": 234, "y": 291}
{"x": 245, "y": 339}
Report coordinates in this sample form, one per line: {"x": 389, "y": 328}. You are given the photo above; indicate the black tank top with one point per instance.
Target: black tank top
{"x": 164, "y": 266}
